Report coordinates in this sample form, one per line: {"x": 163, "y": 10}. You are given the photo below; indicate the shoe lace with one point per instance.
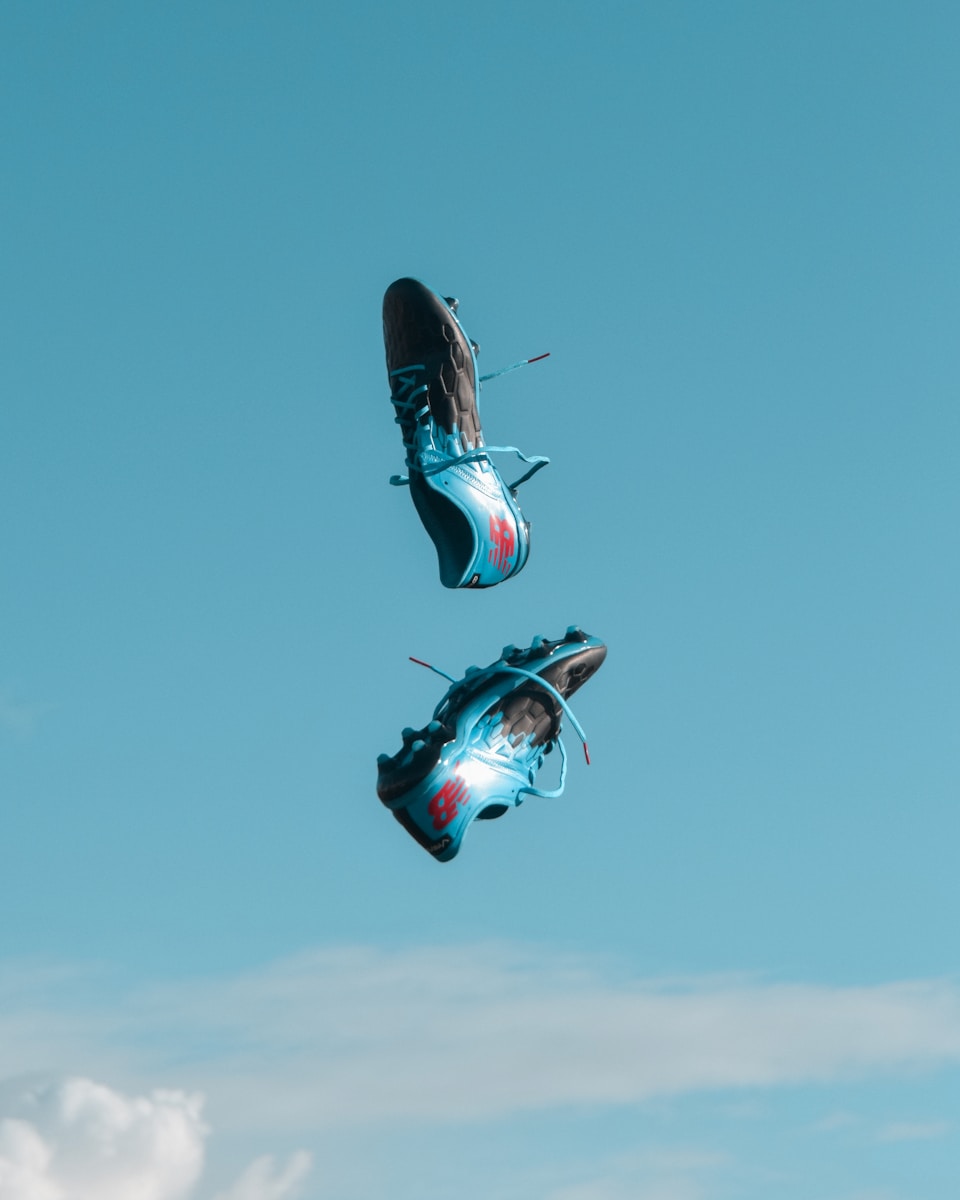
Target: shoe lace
{"x": 409, "y": 411}
{"x": 501, "y": 668}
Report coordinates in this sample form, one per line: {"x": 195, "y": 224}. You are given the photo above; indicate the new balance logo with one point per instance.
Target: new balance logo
{"x": 445, "y": 803}
{"x": 502, "y": 551}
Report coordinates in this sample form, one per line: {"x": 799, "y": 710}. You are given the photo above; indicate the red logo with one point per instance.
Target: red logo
{"x": 444, "y": 804}
{"x": 501, "y": 534}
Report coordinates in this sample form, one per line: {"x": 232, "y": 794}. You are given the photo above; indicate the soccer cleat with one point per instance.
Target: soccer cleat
{"x": 473, "y": 517}
{"x": 488, "y": 739}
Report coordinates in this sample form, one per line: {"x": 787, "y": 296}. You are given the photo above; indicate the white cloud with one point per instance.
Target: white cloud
{"x": 24, "y": 1163}
{"x": 73, "y": 1139}
{"x": 77, "y": 1140}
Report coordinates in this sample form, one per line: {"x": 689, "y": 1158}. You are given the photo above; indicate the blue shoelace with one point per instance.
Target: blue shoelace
{"x": 409, "y": 413}
{"x": 503, "y": 668}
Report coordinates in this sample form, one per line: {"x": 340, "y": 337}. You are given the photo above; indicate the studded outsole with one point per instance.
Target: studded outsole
{"x": 420, "y": 327}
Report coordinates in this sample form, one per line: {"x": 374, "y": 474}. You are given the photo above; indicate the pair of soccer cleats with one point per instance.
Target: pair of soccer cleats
{"x": 490, "y": 734}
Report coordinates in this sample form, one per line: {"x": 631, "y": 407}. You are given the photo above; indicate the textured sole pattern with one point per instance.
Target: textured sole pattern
{"x": 418, "y": 327}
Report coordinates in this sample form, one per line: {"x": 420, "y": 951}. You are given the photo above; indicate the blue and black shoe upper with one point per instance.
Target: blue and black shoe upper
{"x": 488, "y": 739}
{"x": 480, "y": 534}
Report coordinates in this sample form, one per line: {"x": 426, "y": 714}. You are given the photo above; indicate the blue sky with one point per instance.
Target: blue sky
{"x": 725, "y": 963}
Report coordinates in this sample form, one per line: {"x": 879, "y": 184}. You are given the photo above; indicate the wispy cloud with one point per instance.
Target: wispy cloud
{"x": 668, "y": 1173}
{"x": 914, "y": 1131}
{"x": 837, "y": 1121}
{"x": 265, "y": 1179}
{"x": 614, "y": 1188}
{"x": 484, "y": 1032}
{"x": 443, "y": 1035}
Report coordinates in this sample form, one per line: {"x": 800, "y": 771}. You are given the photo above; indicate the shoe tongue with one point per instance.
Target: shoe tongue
{"x": 531, "y": 710}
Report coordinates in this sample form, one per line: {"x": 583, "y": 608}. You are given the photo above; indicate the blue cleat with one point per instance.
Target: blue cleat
{"x": 488, "y": 738}
{"x": 473, "y": 517}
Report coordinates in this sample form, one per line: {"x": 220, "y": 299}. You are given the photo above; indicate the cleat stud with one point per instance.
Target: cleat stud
{"x": 418, "y": 745}
{"x": 382, "y": 759}
{"x": 452, "y": 303}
